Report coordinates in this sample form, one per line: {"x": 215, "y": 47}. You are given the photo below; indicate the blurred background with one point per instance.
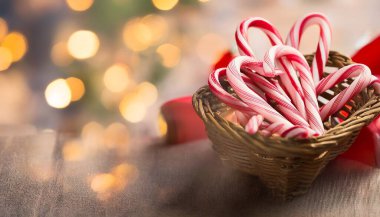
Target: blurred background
{"x": 97, "y": 72}
{"x": 91, "y": 66}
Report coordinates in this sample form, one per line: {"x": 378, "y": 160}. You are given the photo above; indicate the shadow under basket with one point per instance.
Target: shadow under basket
{"x": 287, "y": 166}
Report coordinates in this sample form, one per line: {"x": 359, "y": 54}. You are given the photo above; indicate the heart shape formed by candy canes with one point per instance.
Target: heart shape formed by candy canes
{"x": 278, "y": 95}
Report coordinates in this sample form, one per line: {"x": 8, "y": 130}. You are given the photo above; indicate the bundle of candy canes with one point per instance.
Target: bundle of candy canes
{"x": 284, "y": 79}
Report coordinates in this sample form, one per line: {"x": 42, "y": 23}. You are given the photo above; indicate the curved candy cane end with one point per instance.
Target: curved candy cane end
{"x": 253, "y": 124}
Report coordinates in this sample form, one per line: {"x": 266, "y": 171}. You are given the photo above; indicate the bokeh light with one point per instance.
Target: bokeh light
{"x": 77, "y": 88}
{"x": 125, "y": 174}
{"x": 60, "y": 55}
{"x": 5, "y": 58}
{"x": 141, "y": 33}
{"x": 83, "y": 44}
{"x": 73, "y": 151}
{"x": 164, "y": 5}
{"x": 203, "y": 1}
{"x": 132, "y": 110}
{"x": 137, "y": 35}
{"x": 102, "y": 182}
{"x": 162, "y": 125}
{"x": 147, "y": 93}
{"x": 58, "y": 94}
{"x": 16, "y": 44}
{"x": 170, "y": 55}
{"x": 3, "y": 28}
{"x": 79, "y": 5}
{"x": 210, "y": 46}
{"x": 116, "y": 78}
{"x": 158, "y": 26}
{"x": 134, "y": 105}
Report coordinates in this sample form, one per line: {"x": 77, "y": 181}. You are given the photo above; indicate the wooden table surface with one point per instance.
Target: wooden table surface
{"x": 36, "y": 179}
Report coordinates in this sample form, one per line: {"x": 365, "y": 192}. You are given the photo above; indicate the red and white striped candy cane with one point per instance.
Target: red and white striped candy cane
{"x": 362, "y": 78}
{"x": 298, "y": 132}
{"x": 299, "y": 62}
{"x": 283, "y": 103}
{"x": 254, "y": 101}
{"x": 322, "y": 53}
{"x": 253, "y": 124}
{"x": 289, "y": 79}
{"x": 217, "y": 89}
{"x": 241, "y": 34}
{"x": 242, "y": 110}
{"x": 289, "y": 132}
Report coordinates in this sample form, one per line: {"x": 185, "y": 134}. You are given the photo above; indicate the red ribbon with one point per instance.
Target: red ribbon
{"x": 184, "y": 125}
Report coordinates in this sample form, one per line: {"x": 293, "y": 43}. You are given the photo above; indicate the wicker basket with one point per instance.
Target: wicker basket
{"x": 287, "y": 166}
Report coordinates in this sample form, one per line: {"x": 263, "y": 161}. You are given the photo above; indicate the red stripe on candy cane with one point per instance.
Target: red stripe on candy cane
{"x": 299, "y": 62}
{"x": 362, "y": 79}
{"x": 241, "y": 34}
{"x": 284, "y": 104}
{"x": 321, "y": 56}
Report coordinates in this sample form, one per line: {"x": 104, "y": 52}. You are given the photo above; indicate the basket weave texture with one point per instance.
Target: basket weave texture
{"x": 287, "y": 166}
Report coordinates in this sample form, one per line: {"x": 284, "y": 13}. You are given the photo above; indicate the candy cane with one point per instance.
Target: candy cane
{"x": 300, "y": 63}
{"x": 272, "y": 92}
{"x": 254, "y": 101}
{"x": 230, "y": 100}
{"x": 241, "y": 34}
{"x": 217, "y": 89}
{"x": 253, "y": 124}
{"x": 290, "y": 80}
{"x": 322, "y": 53}
{"x": 362, "y": 79}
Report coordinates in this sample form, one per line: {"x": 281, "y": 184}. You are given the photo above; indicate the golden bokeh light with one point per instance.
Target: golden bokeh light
{"x": 164, "y": 5}
{"x": 83, "y": 44}
{"x": 58, "y": 94}
{"x": 3, "y": 28}
{"x": 116, "y": 78}
{"x": 134, "y": 105}
{"x": 203, "y": 1}
{"x": 102, "y": 182}
{"x": 137, "y": 36}
{"x": 107, "y": 184}
{"x": 125, "y": 174}
{"x": 60, "y": 55}
{"x": 210, "y": 46}
{"x": 170, "y": 55}
{"x": 76, "y": 87}
{"x": 73, "y": 151}
{"x": 157, "y": 25}
{"x": 147, "y": 93}
{"x": 79, "y": 5}
{"x": 162, "y": 125}
{"x": 132, "y": 110}
{"x": 17, "y": 44}
{"x": 5, "y": 58}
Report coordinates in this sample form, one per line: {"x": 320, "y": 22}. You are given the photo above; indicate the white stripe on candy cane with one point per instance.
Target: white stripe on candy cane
{"x": 241, "y": 34}
{"x": 300, "y": 63}
{"x": 362, "y": 78}
{"x": 321, "y": 56}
